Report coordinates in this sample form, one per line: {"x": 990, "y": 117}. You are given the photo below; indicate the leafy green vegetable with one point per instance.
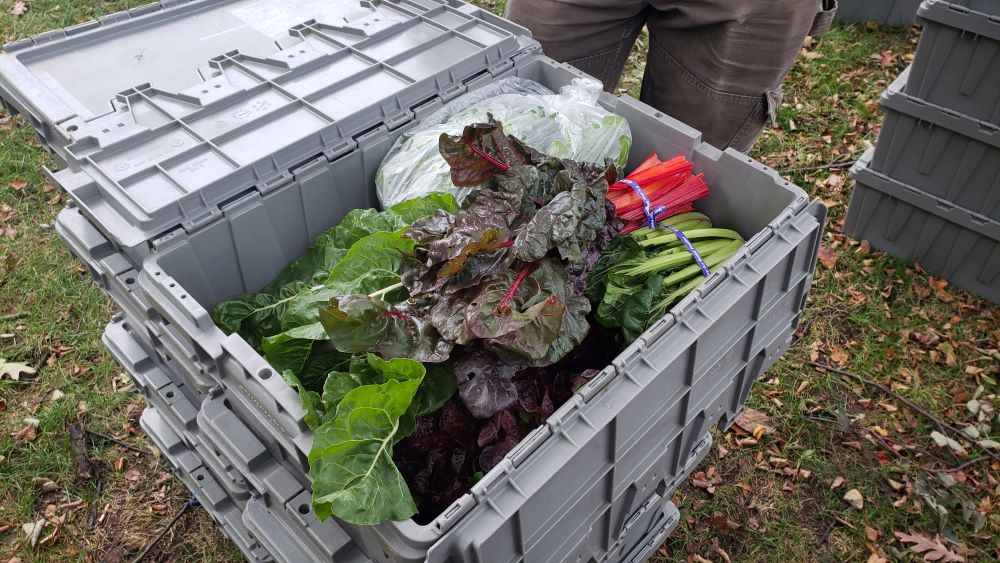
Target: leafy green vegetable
{"x": 298, "y": 287}
{"x": 350, "y": 462}
{"x": 502, "y": 274}
{"x": 639, "y": 276}
{"x": 361, "y": 414}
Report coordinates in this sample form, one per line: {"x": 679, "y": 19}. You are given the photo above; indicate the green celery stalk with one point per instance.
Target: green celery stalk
{"x": 691, "y": 235}
{"x": 694, "y": 272}
{"x": 675, "y": 259}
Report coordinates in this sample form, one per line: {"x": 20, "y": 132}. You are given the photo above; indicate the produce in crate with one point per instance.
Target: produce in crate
{"x": 570, "y": 125}
{"x": 390, "y": 313}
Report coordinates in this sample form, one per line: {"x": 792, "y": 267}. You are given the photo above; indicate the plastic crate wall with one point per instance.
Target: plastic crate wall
{"x": 721, "y": 339}
{"x": 939, "y": 151}
{"x": 288, "y": 530}
{"x": 894, "y": 13}
{"x": 957, "y": 64}
{"x": 947, "y": 241}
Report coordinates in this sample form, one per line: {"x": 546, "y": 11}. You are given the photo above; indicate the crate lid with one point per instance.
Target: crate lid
{"x": 165, "y": 112}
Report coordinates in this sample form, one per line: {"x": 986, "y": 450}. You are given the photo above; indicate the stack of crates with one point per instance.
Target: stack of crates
{"x": 894, "y": 13}
{"x": 206, "y": 143}
{"x": 929, "y": 191}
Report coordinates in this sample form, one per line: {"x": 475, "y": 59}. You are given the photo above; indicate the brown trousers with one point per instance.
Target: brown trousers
{"x": 716, "y": 65}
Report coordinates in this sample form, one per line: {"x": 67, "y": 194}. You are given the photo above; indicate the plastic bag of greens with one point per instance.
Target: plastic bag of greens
{"x": 566, "y": 125}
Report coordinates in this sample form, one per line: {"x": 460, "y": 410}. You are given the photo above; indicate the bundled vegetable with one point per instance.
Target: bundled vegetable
{"x": 642, "y": 275}
{"x": 656, "y": 189}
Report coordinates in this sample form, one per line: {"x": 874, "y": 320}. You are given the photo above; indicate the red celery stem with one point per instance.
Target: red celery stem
{"x": 513, "y": 288}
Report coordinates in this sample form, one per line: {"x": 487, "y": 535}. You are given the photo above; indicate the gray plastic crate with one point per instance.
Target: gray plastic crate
{"x": 237, "y": 172}
{"x": 205, "y": 110}
{"x": 939, "y": 151}
{"x": 957, "y": 64}
{"x": 279, "y": 514}
{"x": 177, "y": 434}
{"x": 693, "y": 369}
{"x": 202, "y": 485}
{"x": 895, "y": 13}
{"x": 947, "y": 241}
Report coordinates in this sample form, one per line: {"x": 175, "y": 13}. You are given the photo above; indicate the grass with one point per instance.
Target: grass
{"x": 752, "y": 500}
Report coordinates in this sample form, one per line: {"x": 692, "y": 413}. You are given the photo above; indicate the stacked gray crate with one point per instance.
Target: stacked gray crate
{"x": 895, "y": 13}
{"x": 929, "y": 191}
{"x": 187, "y": 191}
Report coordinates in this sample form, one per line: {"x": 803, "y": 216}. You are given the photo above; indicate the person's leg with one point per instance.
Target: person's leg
{"x": 595, "y": 36}
{"x": 718, "y": 65}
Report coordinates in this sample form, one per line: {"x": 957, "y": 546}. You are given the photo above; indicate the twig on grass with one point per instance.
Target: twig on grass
{"x": 14, "y": 316}
{"x": 162, "y": 533}
{"x": 77, "y": 440}
{"x": 830, "y": 166}
{"x": 92, "y": 511}
{"x": 121, "y": 443}
{"x": 942, "y": 425}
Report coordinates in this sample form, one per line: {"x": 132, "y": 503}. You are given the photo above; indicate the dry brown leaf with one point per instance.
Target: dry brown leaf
{"x": 839, "y": 355}
{"x": 835, "y": 182}
{"x": 827, "y": 256}
{"x": 19, "y": 8}
{"x": 18, "y": 183}
{"x": 931, "y": 549}
{"x": 854, "y": 498}
{"x": 755, "y": 423}
{"x": 837, "y": 482}
{"x": 133, "y": 475}
{"x": 871, "y": 533}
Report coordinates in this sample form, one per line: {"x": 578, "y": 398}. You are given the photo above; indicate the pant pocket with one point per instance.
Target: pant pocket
{"x": 823, "y": 19}
{"x": 725, "y": 119}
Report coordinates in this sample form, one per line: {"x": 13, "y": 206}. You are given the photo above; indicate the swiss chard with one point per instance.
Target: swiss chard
{"x": 360, "y": 416}
{"x": 498, "y": 270}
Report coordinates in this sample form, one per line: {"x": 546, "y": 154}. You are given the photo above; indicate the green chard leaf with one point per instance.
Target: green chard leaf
{"x": 350, "y": 463}
{"x": 259, "y": 315}
{"x": 311, "y": 400}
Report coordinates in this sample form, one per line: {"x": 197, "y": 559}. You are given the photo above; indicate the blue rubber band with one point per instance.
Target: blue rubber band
{"x": 690, "y": 247}
{"x": 651, "y": 214}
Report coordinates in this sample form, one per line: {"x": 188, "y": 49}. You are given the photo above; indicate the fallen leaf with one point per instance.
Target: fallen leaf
{"x": 835, "y": 181}
{"x": 19, "y": 8}
{"x": 886, "y": 58}
{"x": 55, "y": 395}
{"x": 871, "y": 533}
{"x": 755, "y": 423}
{"x": 13, "y": 370}
{"x": 45, "y": 485}
{"x": 837, "y": 482}
{"x": 839, "y": 355}
{"x": 827, "y": 256}
{"x": 932, "y": 550}
{"x": 32, "y": 530}
{"x": 989, "y": 444}
{"x": 133, "y": 475}
{"x": 854, "y": 498}
{"x": 29, "y": 432}
{"x": 18, "y": 183}
{"x": 876, "y": 558}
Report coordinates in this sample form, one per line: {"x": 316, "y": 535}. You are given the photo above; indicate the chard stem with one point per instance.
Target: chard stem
{"x": 513, "y": 288}
{"x": 382, "y": 292}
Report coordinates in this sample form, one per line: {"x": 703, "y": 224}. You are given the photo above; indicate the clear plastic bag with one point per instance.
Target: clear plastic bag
{"x": 567, "y": 125}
